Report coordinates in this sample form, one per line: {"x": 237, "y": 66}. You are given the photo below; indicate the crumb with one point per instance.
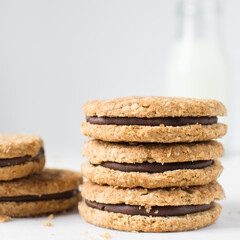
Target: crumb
{"x": 4, "y": 218}
{"x": 46, "y": 223}
{"x": 239, "y": 211}
{"x": 106, "y": 235}
{"x": 230, "y": 212}
{"x": 85, "y": 233}
{"x": 169, "y": 153}
{"x": 35, "y": 219}
{"x": 51, "y": 216}
{"x": 148, "y": 208}
{"x": 156, "y": 212}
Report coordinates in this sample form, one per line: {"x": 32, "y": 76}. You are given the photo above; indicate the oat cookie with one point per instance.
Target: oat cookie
{"x": 153, "y": 119}
{"x": 157, "y": 210}
{"x": 99, "y": 151}
{"x": 20, "y": 155}
{"x": 49, "y": 191}
{"x": 179, "y": 178}
{"x": 126, "y": 222}
{"x": 174, "y": 196}
{"x": 161, "y": 134}
{"x": 152, "y": 107}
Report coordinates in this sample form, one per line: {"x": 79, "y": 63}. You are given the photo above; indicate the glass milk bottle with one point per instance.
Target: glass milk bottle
{"x": 197, "y": 66}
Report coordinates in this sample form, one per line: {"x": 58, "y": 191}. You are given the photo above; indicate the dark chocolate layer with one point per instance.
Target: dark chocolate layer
{"x": 156, "y": 167}
{"x": 21, "y": 160}
{"x": 32, "y": 198}
{"x": 166, "y": 121}
{"x": 155, "y": 211}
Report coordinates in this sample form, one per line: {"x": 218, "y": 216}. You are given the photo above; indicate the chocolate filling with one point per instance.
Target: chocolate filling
{"x": 31, "y": 198}
{"x": 156, "y": 167}
{"x": 166, "y": 121}
{"x": 21, "y": 160}
{"x": 155, "y": 211}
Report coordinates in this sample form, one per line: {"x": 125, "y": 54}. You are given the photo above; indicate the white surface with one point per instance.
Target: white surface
{"x": 72, "y": 227}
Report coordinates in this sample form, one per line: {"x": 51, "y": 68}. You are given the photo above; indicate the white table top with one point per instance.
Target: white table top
{"x": 72, "y": 226}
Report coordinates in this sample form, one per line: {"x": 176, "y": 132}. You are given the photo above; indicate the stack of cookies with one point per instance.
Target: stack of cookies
{"x": 153, "y": 164}
{"x": 26, "y": 189}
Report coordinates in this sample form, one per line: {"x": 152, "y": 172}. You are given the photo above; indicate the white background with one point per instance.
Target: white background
{"x": 55, "y": 55}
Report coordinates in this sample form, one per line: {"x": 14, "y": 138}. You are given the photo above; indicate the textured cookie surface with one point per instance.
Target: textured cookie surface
{"x": 20, "y": 156}
{"x": 126, "y": 222}
{"x": 99, "y": 151}
{"x": 35, "y": 208}
{"x": 22, "y": 170}
{"x": 19, "y": 145}
{"x": 155, "y": 197}
{"x": 48, "y": 181}
{"x": 150, "y": 107}
{"x": 177, "y": 178}
{"x": 161, "y": 134}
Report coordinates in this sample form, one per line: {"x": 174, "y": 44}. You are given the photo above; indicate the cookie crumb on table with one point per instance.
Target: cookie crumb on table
{"x": 106, "y": 235}
{"x": 46, "y": 223}
{"x": 4, "y": 218}
{"x": 51, "y": 216}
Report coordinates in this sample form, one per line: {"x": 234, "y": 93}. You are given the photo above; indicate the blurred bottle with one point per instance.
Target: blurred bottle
{"x": 198, "y": 66}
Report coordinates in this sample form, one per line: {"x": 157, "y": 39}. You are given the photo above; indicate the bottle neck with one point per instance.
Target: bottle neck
{"x": 198, "y": 20}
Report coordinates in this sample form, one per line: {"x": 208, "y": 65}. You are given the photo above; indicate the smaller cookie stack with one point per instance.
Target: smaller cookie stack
{"x": 26, "y": 189}
{"x": 154, "y": 166}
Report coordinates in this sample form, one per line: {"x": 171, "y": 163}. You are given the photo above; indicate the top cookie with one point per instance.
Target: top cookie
{"x": 19, "y": 145}
{"x": 152, "y": 107}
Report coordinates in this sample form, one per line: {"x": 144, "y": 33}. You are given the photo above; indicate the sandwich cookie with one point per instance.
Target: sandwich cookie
{"x": 153, "y": 119}
{"x": 48, "y": 191}
{"x": 157, "y": 210}
{"x": 20, "y": 155}
{"x": 152, "y": 165}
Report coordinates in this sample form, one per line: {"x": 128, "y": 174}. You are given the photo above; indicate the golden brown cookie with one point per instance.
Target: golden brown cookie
{"x": 20, "y": 155}
{"x": 99, "y": 151}
{"x": 157, "y": 210}
{"x": 179, "y": 178}
{"x": 174, "y": 196}
{"x": 160, "y": 134}
{"x": 152, "y": 107}
{"x": 153, "y": 119}
{"x": 126, "y": 222}
{"x": 51, "y": 190}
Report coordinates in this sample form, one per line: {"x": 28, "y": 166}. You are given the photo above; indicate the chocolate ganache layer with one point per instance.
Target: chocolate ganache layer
{"x": 166, "y": 121}
{"x": 155, "y": 211}
{"x": 44, "y": 197}
{"x": 156, "y": 167}
{"x": 21, "y": 160}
